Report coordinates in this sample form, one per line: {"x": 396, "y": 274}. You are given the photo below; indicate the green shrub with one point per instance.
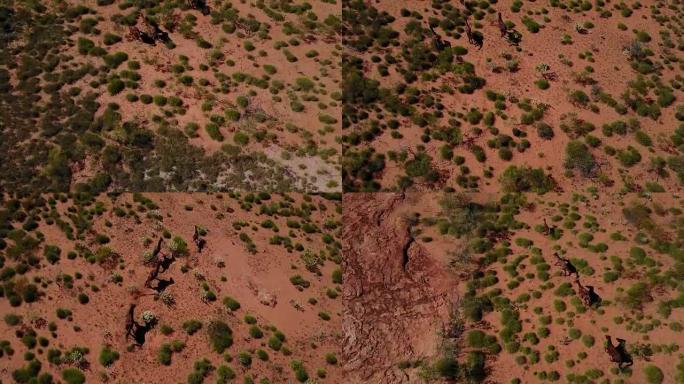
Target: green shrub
{"x": 160, "y": 100}
{"x": 73, "y": 376}
{"x": 654, "y": 375}
{"x": 192, "y": 326}
{"x": 262, "y": 355}
{"x": 108, "y": 356}
{"x": 476, "y": 339}
{"x": 643, "y": 138}
{"x": 542, "y": 84}
{"x": 220, "y": 335}
{"x": 636, "y": 295}
{"x": 224, "y": 374}
{"x": 447, "y": 367}
{"x": 115, "y": 86}
{"x": 578, "y": 157}
{"x": 530, "y": 24}
{"x": 299, "y": 281}
{"x": 505, "y": 154}
{"x": 629, "y": 156}
{"x": 643, "y": 37}
{"x": 256, "y": 332}
{"x": 275, "y": 343}
{"x": 12, "y": 319}
{"x": 610, "y": 276}
{"x": 85, "y": 45}
{"x": 186, "y": 80}
{"x": 578, "y": 97}
{"x": 525, "y": 179}
{"x": 559, "y": 305}
{"x": 191, "y": 129}
{"x": 111, "y": 39}
{"x": 479, "y": 153}
{"x": 231, "y": 303}
{"x": 245, "y": 359}
{"x": 114, "y": 60}
{"x": 475, "y": 367}
{"x": 300, "y": 372}
{"x": 232, "y": 114}
{"x": 214, "y": 132}
{"x": 545, "y": 131}
{"x": 83, "y": 298}
{"x": 164, "y": 354}
{"x": 330, "y": 358}
{"x": 242, "y": 101}
{"x": 241, "y": 138}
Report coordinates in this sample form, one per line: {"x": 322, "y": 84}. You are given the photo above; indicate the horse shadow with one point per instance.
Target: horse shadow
{"x": 162, "y": 284}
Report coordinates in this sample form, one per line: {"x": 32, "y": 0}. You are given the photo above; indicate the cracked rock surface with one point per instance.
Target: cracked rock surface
{"x": 396, "y": 295}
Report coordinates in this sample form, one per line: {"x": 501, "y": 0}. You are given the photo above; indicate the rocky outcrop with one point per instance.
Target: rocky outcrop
{"x": 396, "y": 296}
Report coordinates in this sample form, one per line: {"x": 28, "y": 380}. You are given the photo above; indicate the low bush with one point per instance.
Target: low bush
{"x": 73, "y": 376}
{"x": 220, "y": 335}
{"x": 108, "y": 356}
{"x": 654, "y": 375}
{"x": 526, "y": 179}
{"x": 578, "y": 157}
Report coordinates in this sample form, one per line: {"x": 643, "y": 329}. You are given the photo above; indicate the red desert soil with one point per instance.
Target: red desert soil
{"x": 396, "y": 293}
{"x": 264, "y": 112}
{"x": 257, "y": 274}
{"x": 171, "y": 95}
{"x": 466, "y": 288}
{"x": 441, "y": 120}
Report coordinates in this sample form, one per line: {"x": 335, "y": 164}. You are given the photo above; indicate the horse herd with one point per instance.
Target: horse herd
{"x": 476, "y": 38}
{"x": 161, "y": 263}
{"x": 148, "y": 31}
{"x": 617, "y": 353}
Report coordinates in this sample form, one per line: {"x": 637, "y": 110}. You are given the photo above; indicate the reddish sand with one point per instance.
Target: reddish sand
{"x": 225, "y": 265}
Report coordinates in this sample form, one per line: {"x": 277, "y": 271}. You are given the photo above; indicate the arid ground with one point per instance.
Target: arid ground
{"x": 258, "y": 304}
{"x": 466, "y": 288}
{"x": 354, "y": 191}
{"x": 170, "y": 95}
{"x": 521, "y": 164}
{"x": 573, "y": 89}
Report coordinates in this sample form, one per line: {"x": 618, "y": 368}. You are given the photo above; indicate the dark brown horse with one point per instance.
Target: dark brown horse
{"x": 151, "y": 29}
{"x": 134, "y": 33}
{"x": 473, "y": 38}
{"x": 154, "y": 273}
{"x": 198, "y": 240}
{"x": 586, "y": 294}
{"x": 566, "y": 266}
{"x": 503, "y": 28}
{"x": 437, "y": 41}
{"x": 130, "y": 322}
{"x": 200, "y": 5}
{"x": 157, "y": 249}
{"x": 618, "y": 353}
{"x": 548, "y": 230}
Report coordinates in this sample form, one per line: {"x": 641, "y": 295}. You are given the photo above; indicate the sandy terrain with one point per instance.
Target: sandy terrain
{"x": 596, "y": 63}
{"x": 215, "y": 96}
{"x": 431, "y": 298}
{"x": 411, "y": 192}
{"x": 259, "y": 280}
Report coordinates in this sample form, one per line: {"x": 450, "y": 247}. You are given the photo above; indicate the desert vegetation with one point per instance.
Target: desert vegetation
{"x": 104, "y": 95}
{"x": 573, "y": 287}
{"x": 442, "y": 96}
{"x": 159, "y": 287}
